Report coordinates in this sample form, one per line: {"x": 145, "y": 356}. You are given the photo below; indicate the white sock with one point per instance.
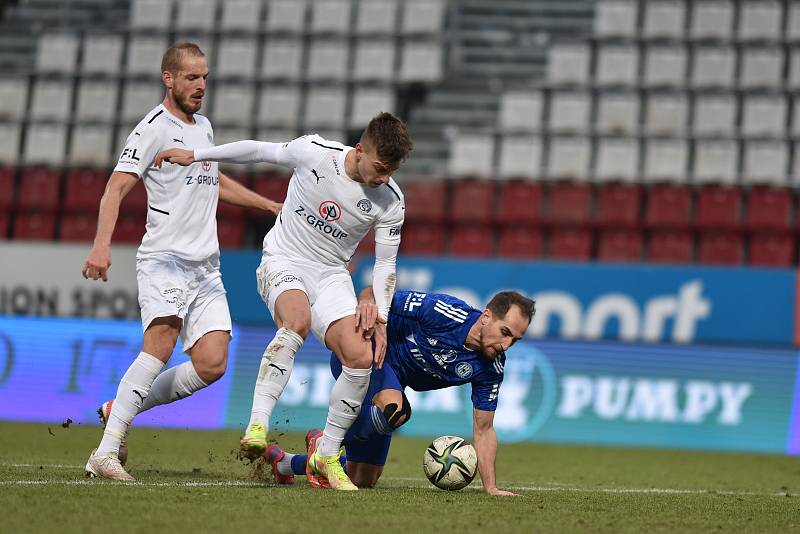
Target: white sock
{"x": 132, "y": 392}
{"x": 273, "y": 374}
{"x": 285, "y": 464}
{"x": 173, "y": 384}
{"x": 347, "y": 396}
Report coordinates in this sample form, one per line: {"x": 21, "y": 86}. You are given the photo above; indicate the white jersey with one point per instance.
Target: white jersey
{"x": 181, "y": 201}
{"x": 326, "y": 213}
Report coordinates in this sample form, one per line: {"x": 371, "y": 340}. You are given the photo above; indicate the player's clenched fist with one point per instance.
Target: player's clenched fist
{"x": 97, "y": 264}
{"x": 178, "y": 156}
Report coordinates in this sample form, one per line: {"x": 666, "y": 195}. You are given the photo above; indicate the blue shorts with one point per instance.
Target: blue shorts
{"x": 361, "y": 442}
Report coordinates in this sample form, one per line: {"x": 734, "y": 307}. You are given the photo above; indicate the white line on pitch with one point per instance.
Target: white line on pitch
{"x": 49, "y": 466}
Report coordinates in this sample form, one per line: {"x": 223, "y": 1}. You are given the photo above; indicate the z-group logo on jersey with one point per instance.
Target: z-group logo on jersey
{"x": 330, "y": 211}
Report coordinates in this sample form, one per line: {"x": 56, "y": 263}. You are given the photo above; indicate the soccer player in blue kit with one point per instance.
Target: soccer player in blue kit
{"x": 434, "y": 341}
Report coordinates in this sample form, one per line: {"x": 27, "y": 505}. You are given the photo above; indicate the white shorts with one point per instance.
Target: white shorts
{"x": 329, "y": 289}
{"x": 192, "y": 290}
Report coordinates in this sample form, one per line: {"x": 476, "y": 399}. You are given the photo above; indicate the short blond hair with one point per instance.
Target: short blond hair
{"x": 173, "y": 57}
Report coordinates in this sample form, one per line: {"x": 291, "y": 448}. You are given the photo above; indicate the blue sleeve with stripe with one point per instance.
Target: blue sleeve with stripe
{"x": 484, "y": 394}
{"x": 434, "y": 311}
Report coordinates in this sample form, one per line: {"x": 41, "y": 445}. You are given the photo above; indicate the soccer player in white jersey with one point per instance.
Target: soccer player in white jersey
{"x": 336, "y": 194}
{"x": 177, "y": 265}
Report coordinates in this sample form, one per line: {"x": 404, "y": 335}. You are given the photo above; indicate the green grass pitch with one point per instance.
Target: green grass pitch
{"x": 191, "y": 481}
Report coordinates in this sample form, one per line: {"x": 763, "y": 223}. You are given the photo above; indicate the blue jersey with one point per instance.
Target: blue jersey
{"x": 426, "y": 335}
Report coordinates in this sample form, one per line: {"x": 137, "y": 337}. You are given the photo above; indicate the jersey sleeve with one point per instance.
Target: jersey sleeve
{"x": 388, "y": 227}
{"x": 484, "y": 394}
{"x": 296, "y": 151}
{"x": 435, "y": 312}
{"x": 140, "y": 151}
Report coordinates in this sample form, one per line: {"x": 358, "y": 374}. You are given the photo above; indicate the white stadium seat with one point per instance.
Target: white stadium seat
{"x": 568, "y": 63}
{"x": 617, "y": 159}
{"x": 665, "y": 66}
{"x": 664, "y": 19}
{"x": 374, "y": 60}
{"x": 9, "y": 142}
{"x": 765, "y": 162}
{"x": 615, "y": 18}
{"x": 760, "y": 20}
{"x": 570, "y": 112}
{"x": 471, "y": 154}
{"x": 52, "y": 100}
{"x": 761, "y": 68}
{"x": 144, "y": 55}
{"x": 102, "y": 54}
{"x": 57, "y": 52}
{"x": 423, "y": 16}
{"x": 796, "y": 169}
{"x": 225, "y": 135}
{"x": 232, "y": 104}
{"x": 713, "y": 67}
{"x": 279, "y": 105}
{"x": 764, "y": 116}
{"x": 138, "y": 98}
{"x": 618, "y": 113}
{"x": 667, "y": 113}
{"x": 45, "y": 144}
{"x": 286, "y": 16}
{"x": 97, "y": 101}
{"x": 520, "y": 156}
{"x": 325, "y": 107}
{"x": 712, "y": 19}
{"x": 714, "y": 114}
{"x": 377, "y": 17}
{"x": 796, "y": 118}
{"x": 521, "y": 111}
{"x": 241, "y": 15}
{"x": 196, "y": 15}
{"x": 282, "y": 59}
{"x": 568, "y": 158}
{"x": 330, "y": 16}
{"x": 151, "y": 14}
{"x": 236, "y": 58}
{"x": 421, "y": 62}
{"x": 716, "y": 161}
{"x": 327, "y": 60}
{"x": 13, "y": 98}
{"x": 617, "y": 65}
{"x": 665, "y": 160}
{"x": 793, "y": 25}
{"x": 368, "y": 102}
{"x": 91, "y": 145}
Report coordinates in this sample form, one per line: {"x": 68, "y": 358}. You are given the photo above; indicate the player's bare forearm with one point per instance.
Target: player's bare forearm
{"x": 484, "y": 438}
{"x": 367, "y": 295}
{"x": 233, "y": 192}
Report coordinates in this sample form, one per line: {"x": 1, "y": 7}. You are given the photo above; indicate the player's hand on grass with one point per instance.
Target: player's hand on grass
{"x": 97, "y": 264}
{"x": 497, "y": 492}
{"x": 380, "y": 342}
{"x": 178, "y": 156}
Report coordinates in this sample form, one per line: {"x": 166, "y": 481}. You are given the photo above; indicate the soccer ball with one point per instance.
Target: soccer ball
{"x": 450, "y": 463}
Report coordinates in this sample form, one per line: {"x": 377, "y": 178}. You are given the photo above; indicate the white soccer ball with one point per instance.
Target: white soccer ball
{"x": 450, "y": 463}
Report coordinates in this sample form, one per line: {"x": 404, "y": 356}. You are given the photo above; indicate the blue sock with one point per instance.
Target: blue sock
{"x": 299, "y": 463}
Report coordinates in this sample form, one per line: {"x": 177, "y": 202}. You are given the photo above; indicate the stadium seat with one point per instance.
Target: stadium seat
{"x": 282, "y": 59}
{"x": 425, "y": 201}
{"x": 569, "y": 204}
{"x": 4, "y": 226}
{"x": 423, "y": 239}
{"x": 38, "y": 189}
{"x": 570, "y": 244}
{"x": 10, "y": 141}
{"x": 616, "y": 18}
{"x": 102, "y": 54}
{"x": 13, "y": 98}
{"x": 769, "y": 208}
{"x": 714, "y": 67}
{"x": 618, "y": 113}
{"x": 232, "y": 104}
{"x": 620, "y": 245}
{"x": 570, "y": 112}
{"x": 374, "y": 60}
{"x": 151, "y": 14}
{"x": 377, "y": 17}
{"x": 665, "y": 66}
{"x": 421, "y": 62}
{"x": 241, "y": 16}
{"x": 793, "y": 26}
{"x": 520, "y": 157}
{"x": 617, "y": 159}
{"x": 57, "y": 53}
{"x": 279, "y": 106}
{"x": 521, "y": 111}
{"x": 83, "y": 189}
{"x": 51, "y": 100}
{"x": 196, "y": 15}
{"x": 471, "y": 154}
{"x": 325, "y": 108}
{"x": 714, "y": 114}
{"x": 668, "y": 206}
{"x": 665, "y": 160}
{"x": 772, "y": 249}
{"x": 35, "y": 225}
{"x": 618, "y": 206}
{"x": 365, "y": 101}
{"x": 794, "y": 69}
{"x": 78, "y": 227}
{"x": 761, "y": 68}
{"x": 764, "y": 116}
{"x": 331, "y": 16}
{"x": 422, "y": 16}
{"x": 716, "y": 161}
{"x": 286, "y": 16}
{"x": 617, "y": 65}
{"x": 130, "y": 228}
{"x": 667, "y": 113}
{"x": 670, "y": 247}
{"x": 664, "y": 19}
{"x": 718, "y": 208}
{"x": 521, "y": 242}
{"x": 272, "y": 186}
{"x": 759, "y": 20}
{"x": 712, "y": 20}
{"x": 145, "y": 53}
{"x": 720, "y": 248}
{"x": 327, "y": 60}
{"x": 765, "y": 162}
{"x": 568, "y": 64}
{"x": 6, "y": 188}
{"x": 45, "y": 144}
{"x": 518, "y": 202}
{"x": 472, "y": 241}
{"x": 138, "y": 98}
{"x": 236, "y": 58}
{"x": 569, "y": 158}
{"x": 91, "y": 145}
{"x": 97, "y": 101}
{"x": 472, "y": 202}
{"x": 230, "y": 231}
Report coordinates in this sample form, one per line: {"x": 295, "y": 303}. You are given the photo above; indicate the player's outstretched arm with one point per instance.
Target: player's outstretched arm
{"x": 233, "y": 192}
{"x": 236, "y": 152}
{"x": 99, "y": 260}
{"x": 485, "y": 440}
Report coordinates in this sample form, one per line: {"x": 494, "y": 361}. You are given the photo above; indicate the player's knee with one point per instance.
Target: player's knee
{"x": 397, "y": 416}
{"x": 298, "y": 325}
{"x": 359, "y": 357}
{"x": 211, "y": 371}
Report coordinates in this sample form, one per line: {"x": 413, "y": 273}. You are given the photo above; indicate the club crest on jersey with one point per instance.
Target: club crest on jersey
{"x": 330, "y": 211}
{"x": 364, "y": 205}
{"x": 464, "y": 370}
{"x": 206, "y": 166}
